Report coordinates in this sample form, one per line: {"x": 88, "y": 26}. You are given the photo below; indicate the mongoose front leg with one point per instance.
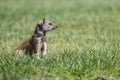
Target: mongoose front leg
{"x": 44, "y": 49}
{"x": 37, "y": 47}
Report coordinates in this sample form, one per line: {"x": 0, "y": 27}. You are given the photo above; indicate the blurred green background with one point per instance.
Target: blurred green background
{"x": 86, "y": 44}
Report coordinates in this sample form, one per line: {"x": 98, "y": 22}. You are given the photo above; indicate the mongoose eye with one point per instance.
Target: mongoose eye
{"x": 50, "y": 23}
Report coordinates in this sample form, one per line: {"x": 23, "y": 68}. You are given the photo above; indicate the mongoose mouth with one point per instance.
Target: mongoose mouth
{"x": 55, "y": 27}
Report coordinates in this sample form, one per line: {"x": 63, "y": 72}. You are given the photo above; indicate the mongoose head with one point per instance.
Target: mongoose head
{"x": 45, "y": 25}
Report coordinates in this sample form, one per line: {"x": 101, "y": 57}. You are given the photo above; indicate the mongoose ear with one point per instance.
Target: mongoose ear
{"x": 39, "y": 24}
{"x": 44, "y": 20}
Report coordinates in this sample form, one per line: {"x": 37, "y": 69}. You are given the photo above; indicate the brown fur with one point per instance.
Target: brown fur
{"x": 37, "y": 42}
{"x": 24, "y": 47}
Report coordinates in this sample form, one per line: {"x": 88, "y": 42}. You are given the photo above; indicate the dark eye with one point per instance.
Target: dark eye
{"x": 50, "y": 23}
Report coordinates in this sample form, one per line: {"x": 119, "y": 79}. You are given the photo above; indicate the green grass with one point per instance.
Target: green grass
{"x": 85, "y": 46}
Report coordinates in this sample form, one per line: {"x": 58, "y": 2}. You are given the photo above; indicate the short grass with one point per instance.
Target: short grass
{"x": 85, "y": 46}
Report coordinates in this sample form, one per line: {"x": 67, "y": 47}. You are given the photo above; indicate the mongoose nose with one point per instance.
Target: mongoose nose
{"x": 56, "y": 26}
